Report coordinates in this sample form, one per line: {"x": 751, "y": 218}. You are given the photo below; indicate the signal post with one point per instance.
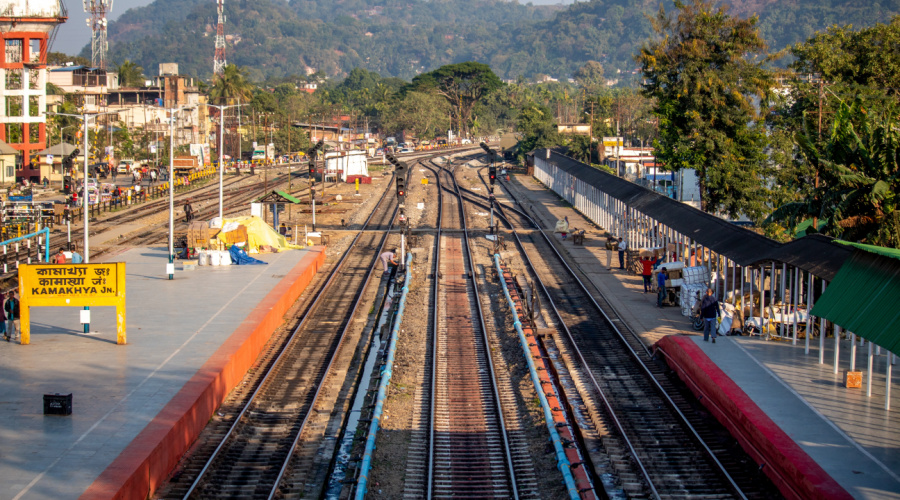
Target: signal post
{"x": 401, "y": 171}
{"x": 492, "y": 176}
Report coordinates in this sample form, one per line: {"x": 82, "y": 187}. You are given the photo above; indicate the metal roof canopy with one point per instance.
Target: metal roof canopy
{"x": 817, "y": 254}
{"x": 278, "y": 197}
{"x": 863, "y": 298}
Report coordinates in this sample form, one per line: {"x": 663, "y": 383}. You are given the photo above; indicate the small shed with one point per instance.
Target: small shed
{"x": 346, "y": 164}
{"x": 277, "y": 200}
{"x": 8, "y": 163}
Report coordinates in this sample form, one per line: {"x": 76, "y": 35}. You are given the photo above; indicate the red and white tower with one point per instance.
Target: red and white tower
{"x": 26, "y": 30}
{"x": 98, "y": 9}
{"x": 219, "y": 58}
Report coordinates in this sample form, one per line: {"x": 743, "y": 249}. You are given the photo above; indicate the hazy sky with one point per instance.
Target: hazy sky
{"x": 75, "y": 34}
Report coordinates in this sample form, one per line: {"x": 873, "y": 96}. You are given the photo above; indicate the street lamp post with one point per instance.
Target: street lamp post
{"x": 170, "y": 267}
{"x": 84, "y": 202}
{"x": 222, "y": 109}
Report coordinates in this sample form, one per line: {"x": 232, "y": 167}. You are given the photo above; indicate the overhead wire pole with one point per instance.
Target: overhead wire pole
{"x": 170, "y": 266}
{"x": 222, "y": 109}
{"x": 84, "y": 202}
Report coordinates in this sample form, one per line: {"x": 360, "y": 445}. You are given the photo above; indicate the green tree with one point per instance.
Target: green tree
{"x": 590, "y": 76}
{"x": 538, "y": 128}
{"x": 462, "y": 84}
{"x": 422, "y": 113}
{"x": 130, "y": 74}
{"x": 704, "y": 71}
{"x": 858, "y": 198}
{"x": 231, "y": 86}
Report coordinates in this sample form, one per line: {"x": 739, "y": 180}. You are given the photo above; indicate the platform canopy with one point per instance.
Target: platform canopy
{"x": 863, "y": 297}
{"x": 278, "y": 197}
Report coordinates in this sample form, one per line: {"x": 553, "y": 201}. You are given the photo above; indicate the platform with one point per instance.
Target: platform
{"x": 849, "y": 436}
{"x": 136, "y": 406}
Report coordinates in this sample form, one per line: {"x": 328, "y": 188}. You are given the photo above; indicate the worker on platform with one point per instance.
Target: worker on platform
{"x": 709, "y": 311}
{"x": 661, "y": 284}
{"x": 11, "y": 308}
{"x": 611, "y": 244}
{"x": 388, "y": 258}
{"x": 646, "y": 272}
{"x": 622, "y": 246}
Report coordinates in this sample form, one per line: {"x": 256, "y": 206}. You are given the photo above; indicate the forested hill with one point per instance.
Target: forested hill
{"x": 402, "y": 38}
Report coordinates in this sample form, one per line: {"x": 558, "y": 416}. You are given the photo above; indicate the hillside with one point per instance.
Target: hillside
{"x": 402, "y": 38}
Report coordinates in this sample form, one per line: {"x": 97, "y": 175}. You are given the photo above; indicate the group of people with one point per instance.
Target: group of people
{"x": 614, "y": 244}
{"x": 9, "y": 316}
{"x": 60, "y": 257}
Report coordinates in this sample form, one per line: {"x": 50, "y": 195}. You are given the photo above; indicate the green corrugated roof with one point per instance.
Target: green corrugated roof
{"x": 288, "y": 197}
{"x": 887, "y": 252}
{"x": 278, "y": 197}
{"x": 864, "y": 294}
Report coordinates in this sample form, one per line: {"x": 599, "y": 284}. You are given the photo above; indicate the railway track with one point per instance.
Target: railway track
{"x": 262, "y": 453}
{"x": 674, "y": 450}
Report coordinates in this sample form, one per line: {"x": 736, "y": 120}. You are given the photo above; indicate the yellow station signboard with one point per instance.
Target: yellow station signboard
{"x": 77, "y": 285}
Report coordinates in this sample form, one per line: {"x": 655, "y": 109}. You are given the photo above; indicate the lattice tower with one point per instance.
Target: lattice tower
{"x": 97, "y": 22}
{"x": 219, "y": 58}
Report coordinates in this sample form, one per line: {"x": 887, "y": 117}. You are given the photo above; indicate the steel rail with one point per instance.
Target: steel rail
{"x": 309, "y": 312}
{"x": 487, "y": 350}
{"x": 642, "y": 365}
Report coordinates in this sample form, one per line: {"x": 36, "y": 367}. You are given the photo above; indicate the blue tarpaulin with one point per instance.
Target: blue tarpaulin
{"x": 240, "y": 257}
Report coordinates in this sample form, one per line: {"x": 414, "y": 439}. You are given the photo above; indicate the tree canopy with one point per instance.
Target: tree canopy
{"x": 705, "y": 71}
{"x": 463, "y": 85}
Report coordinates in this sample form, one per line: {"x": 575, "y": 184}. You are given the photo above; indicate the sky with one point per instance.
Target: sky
{"x": 75, "y": 34}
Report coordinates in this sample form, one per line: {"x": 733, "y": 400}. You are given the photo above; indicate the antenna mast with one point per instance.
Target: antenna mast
{"x": 97, "y": 22}
{"x": 219, "y": 58}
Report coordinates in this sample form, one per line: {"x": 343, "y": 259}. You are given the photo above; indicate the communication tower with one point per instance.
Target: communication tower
{"x": 97, "y": 22}
{"x": 219, "y": 58}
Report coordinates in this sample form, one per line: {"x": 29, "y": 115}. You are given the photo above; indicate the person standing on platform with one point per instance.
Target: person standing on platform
{"x": 76, "y": 257}
{"x": 709, "y": 311}
{"x": 611, "y": 244}
{"x": 60, "y": 257}
{"x": 621, "y": 248}
{"x": 3, "y": 320}
{"x": 661, "y": 284}
{"x": 388, "y": 257}
{"x": 11, "y": 308}
{"x": 646, "y": 272}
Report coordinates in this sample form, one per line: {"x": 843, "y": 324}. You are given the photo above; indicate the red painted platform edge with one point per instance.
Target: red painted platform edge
{"x": 146, "y": 462}
{"x": 790, "y": 468}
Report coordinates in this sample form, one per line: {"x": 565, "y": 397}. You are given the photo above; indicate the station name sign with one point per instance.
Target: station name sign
{"x": 74, "y": 285}
{"x": 82, "y": 280}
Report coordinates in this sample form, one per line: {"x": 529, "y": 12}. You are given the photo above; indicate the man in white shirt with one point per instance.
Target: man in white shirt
{"x": 622, "y": 247}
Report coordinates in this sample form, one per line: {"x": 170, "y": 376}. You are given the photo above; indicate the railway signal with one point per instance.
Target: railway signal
{"x": 492, "y": 174}
{"x": 400, "y": 172}
{"x": 313, "y": 153}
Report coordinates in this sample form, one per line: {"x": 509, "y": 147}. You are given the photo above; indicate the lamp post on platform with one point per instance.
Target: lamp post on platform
{"x": 85, "y": 117}
{"x": 222, "y": 109}
{"x": 170, "y": 267}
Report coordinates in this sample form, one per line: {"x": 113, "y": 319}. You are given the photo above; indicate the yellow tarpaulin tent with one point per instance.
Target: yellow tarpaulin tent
{"x": 259, "y": 234}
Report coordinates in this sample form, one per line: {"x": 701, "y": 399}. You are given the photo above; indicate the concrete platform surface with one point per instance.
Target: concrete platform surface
{"x": 174, "y": 329}
{"x": 848, "y": 435}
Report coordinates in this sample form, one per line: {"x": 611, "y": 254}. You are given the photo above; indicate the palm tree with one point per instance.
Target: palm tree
{"x": 231, "y": 86}
{"x": 130, "y": 74}
{"x": 858, "y": 197}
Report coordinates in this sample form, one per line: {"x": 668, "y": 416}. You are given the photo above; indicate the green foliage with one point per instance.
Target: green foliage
{"x": 538, "y": 128}
{"x": 858, "y": 198}
{"x": 231, "y": 87}
{"x": 130, "y": 74}
{"x": 424, "y": 114}
{"x": 704, "y": 72}
{"x": 463, "y": 85}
